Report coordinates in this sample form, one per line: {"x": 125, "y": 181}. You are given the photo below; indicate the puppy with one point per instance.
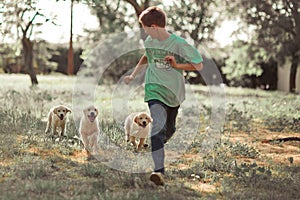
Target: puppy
{"x": 89, "y": 129}
{"x": 137, "y": 125}
{"x": 57, "y": 118}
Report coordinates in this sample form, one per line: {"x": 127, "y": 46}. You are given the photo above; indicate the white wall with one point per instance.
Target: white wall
{"x": 298, "y": 80}
{"x": 283, "y": 74}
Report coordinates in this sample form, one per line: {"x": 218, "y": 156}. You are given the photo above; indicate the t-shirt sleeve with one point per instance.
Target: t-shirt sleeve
{"x": 190, "y": 53}
{"x": 146, "y": 45}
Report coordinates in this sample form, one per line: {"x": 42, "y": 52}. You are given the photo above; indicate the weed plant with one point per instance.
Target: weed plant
{"x": 34, "y": 165}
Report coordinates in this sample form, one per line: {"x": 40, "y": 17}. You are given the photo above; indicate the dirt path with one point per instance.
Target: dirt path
{"x": 279, "y": 153}
{"x": 266, "y": 143}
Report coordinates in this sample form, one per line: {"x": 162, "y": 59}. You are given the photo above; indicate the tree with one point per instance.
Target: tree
{"x": 113, "y": 15}
{"x": 276, "y": 28}
{"x": 138, "y": 10}
{"x": 27, "y": 45}
{"x": 195, "y": 19}
{"x": 243, "y": 54}
{"x": 20, "y": 17}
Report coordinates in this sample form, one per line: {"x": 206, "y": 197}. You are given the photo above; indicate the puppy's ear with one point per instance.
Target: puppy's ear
{"x": 68, "y": 109}
{"x": 55, "y": 110}
{"x": 149, "y": 119}
{"x": 136, "y": 119}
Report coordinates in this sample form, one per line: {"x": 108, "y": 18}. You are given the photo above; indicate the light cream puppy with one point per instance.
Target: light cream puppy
{"x": 57, "y": 118}
{"x": 89, "y": 129}
{"x": 137, "y": 126}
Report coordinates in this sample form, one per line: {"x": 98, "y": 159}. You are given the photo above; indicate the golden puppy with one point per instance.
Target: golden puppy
{"x": 57, "y": 118}
{"x": 89, "y": 129}
{"x": 137, "y": 125}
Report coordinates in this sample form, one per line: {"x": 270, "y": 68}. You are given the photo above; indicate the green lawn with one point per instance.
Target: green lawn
{"x": 244, "y": 163}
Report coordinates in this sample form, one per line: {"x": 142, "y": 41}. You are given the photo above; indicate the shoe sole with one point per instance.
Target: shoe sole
{"x": 158, "y": 180}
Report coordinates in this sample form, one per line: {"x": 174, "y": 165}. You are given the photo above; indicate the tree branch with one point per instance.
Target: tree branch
{"x": 118, "y": 5}
{"x": 138, "y": 9}
{"x": 146, "y": 4}
{"x": 30, "y": 24}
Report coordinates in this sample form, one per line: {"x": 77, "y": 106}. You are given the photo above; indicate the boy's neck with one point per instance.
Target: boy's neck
{"x": 163, "y": 34}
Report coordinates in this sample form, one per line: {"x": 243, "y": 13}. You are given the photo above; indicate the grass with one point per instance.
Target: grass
{"x": 34, "y": 165}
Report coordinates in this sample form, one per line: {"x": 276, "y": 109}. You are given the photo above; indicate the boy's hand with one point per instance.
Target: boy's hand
{"x": 171, "y": 60}
{"x": 127, "y": 79}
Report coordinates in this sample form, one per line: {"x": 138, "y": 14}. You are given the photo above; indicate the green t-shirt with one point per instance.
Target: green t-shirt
{"x": 163, "y": 82}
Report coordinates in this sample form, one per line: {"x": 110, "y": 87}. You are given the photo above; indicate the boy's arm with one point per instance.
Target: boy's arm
{"x": 143, "y": 60}
{"x": 185, "y": 66}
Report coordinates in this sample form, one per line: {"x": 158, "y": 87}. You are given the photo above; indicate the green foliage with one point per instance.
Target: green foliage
{"x": 113, "y": 131}
{"x": 34, "y": 165}
{"x": 243, "y": 150}
{"x": 250, "y": 174}
{"x": 258, "y": 182}
{"x": 43, "y": 52}
{"x": 284, "y": 123}
{"x": 244, "y": 59}
{"x": 219, "y": 159}
{"x": 272, "y": 22}
{"x": 58, "y": 60}
{"x": 273, "y": 27}
{"x": 93, "y": 171}
{"x": 240, "y": 120}
{"x": 10, "y": 54}
{"x": 113, "y": 57}
{"x": 199, "y": 21}
{"x": 11, "y": 59}
{"x": 34, "y": 173}
{"x": 113, "y": 16}
{"x": 13, "y": 115}
{"x": 121, "y": 65}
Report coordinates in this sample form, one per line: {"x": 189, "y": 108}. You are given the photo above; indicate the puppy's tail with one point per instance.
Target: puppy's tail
{"x": 127, "y": 137}
{"x": 126, "y": 134}
{"x": 127, "y": 127}
{"x": 49, "y": 121}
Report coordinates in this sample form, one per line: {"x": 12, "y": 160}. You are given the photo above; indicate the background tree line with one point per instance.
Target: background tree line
{"x": 272, "y": 29}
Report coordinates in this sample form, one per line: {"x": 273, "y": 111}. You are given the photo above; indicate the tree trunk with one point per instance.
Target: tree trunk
{"x": 138, "y": 10}
{"x": 293, "y": 74}
{"x": 28, "y": 59}
{"x": 70, "y": 53}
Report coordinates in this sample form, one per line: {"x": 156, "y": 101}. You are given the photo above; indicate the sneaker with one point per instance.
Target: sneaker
{"x": 167, "y": 138}
{"x": 157, "y": 178}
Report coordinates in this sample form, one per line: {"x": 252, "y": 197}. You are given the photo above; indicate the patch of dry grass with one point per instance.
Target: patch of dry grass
{"x": 34, "y": 165}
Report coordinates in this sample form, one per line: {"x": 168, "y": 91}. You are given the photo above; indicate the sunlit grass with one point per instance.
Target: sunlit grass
{"x": 38, "y": 165}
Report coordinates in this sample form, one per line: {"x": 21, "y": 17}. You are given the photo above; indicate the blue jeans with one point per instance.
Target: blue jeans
{"x": 163, "y": 128}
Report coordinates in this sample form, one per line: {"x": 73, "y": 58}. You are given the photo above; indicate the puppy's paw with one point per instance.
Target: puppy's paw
{"x": 145, "y": 145}
{"x": 137, "y": 150}
{"x": 90, "y": 157}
